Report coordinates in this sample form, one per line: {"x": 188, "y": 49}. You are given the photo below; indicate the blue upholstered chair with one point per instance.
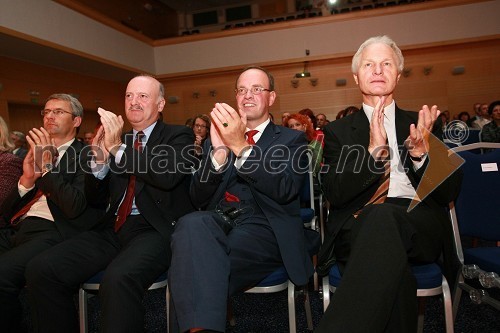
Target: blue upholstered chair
{"x": 475, "y": 214}
{"x": 91, "y": 286}
{"x": 430, "y": 282}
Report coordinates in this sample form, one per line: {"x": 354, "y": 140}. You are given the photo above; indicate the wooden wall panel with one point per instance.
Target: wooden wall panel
{"x": 456, "y": 93}
{"x": 479, "y": 83}
{"x": 19, "y": 79}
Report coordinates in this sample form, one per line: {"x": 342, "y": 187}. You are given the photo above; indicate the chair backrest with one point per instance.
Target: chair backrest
{"x": 477, "y": 206}
{"x": 307, "y": 190}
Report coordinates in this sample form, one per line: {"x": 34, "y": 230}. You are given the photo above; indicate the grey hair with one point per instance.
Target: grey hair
{"x": 76, "y": 106}
{"x": 374, "y": 40}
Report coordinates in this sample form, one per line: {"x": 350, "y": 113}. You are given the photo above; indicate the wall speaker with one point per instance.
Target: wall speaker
{"x": 457, "y": 70}
{"x": 173, "y": 99}
{"x": 341, "y": 82}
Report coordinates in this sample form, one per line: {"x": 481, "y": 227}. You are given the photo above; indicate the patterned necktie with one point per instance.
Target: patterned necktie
{"x": 126, "y": 206}
{"x": 250, "y": 134}
{"x": 15, "y": 219}
{"x": 383, "y": 188}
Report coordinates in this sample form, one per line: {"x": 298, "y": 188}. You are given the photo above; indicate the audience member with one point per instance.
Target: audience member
{"x": 302, "y": 123}
{"x": 350, "y": 110}
{"x": 284, "y": 115}
{"x": 340, "y": 115}
{"x": 377, "y": 241}
{"x": 251, "y": 225}
{"x": 491, "y": 131}
{"x": 310, "y": 114}
{"x": 88, "y": 137}
{"x": 189, "y": 122}
{"x": 49, "y": 203}
{"x": 464, "y": 117}
{"x": 146, "y": 191}
{"x": 321, "y": 121}
{"x": 11, "y": 166}
{"x": 476, "y": 107}
{"x": 201, "y": 129}
{"x": 482, "y": 118}
{"x": 19, "y": 140}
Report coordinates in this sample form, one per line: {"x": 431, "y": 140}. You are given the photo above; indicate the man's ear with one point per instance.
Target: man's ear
{"x": 77, "y": 121}
{"x": 355, "y": 76}
{"x": 272, "y": 97}
{"x": 161, "y": 105}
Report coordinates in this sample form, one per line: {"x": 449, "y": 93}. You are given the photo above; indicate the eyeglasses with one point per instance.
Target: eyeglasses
{"x": 253, "y": 90}
{"x": 56, "y": 112}
{"x": 200, "y": 126}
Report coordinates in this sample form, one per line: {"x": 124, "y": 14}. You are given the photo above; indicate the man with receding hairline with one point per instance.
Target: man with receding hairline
{"x": 142, "y": 178}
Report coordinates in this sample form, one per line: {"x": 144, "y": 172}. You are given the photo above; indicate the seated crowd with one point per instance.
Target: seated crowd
{"x": 208, "y": 203}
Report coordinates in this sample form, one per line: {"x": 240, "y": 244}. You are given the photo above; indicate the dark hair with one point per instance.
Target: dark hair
{"x": 492, "y": 106}
{"x": 463, "y": 113}
{"x": 270, "y": 77}
{"x": 203, "y": 117}
{"x": 350, "y": 110}
{"x": 310, "y": 114}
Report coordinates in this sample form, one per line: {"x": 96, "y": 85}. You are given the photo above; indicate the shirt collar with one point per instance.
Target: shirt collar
{"x": 389, "y": 111}
{"x": 259, "y": 128}
{"x": 147, "y": 132}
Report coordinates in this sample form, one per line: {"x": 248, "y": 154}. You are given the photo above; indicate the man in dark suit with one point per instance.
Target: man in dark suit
{"x": 144, "y": 177}
{"x": 374, "y": 239}
{"x": 49, "y": 203}
{"x": 253, "y": 181}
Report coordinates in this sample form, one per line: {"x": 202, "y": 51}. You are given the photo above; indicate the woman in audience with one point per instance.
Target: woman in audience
{"x": 491, "y": 131}
{"x": 201, "y": 129}
{"x": 303, "y": 123}
{"x": 11, "y": 166}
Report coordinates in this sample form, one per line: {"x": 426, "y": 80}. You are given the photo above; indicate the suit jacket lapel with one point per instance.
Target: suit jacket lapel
{"x": 70, "y": 157}
{"x": 360, "y": 128}
{"x": 402, "y": 122}
{"x": 270, "y": 134}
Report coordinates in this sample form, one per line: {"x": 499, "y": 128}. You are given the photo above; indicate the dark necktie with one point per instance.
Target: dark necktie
{"x": 126, "y": 206}
{"x": 250, "y": 134}
{"x": 15, "y": 219}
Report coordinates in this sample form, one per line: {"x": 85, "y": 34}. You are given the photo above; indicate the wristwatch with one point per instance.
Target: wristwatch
{"x": 418, "y": 158}
{"x": 48, "y": 167}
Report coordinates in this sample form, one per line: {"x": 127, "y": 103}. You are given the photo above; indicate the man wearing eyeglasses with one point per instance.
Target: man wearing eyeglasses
{"x": 248, "y": 186}
{"x": 143, "y": 177}
{"x": 49, "y": 204}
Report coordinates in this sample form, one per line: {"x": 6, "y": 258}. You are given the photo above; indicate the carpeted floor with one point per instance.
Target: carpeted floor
{"x": 258, "y": 313}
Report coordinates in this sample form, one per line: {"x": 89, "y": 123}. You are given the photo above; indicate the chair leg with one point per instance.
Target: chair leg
{"x": 307, "y": 307}
{"x": 326, "y": 293}
{"x": 458, "y": 294}
{"x": 82, "y": 302}
{"x": 421, "y": 311}
{"x": 448, "y": 308}
{"x": 230, "y": 315}
{"x": 291, "y": 307}
{"x": 172, "y": 325}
